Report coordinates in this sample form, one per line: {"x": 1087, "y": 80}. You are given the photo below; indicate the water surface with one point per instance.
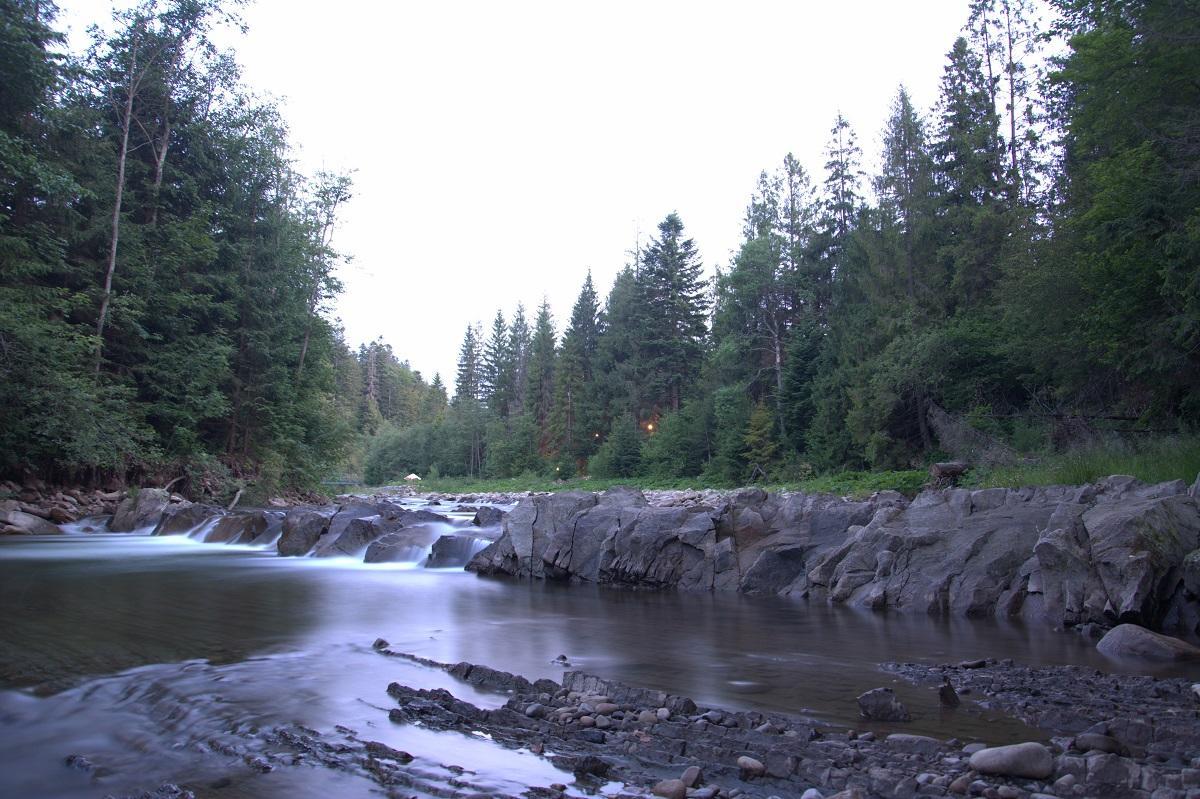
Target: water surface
{"x": 138, "y": 652}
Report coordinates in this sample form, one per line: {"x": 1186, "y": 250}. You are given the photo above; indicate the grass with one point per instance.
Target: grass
{"x": 1157, "y": 461}
{"x": 855, "y": 484}
{"x": 1174, "y": 458}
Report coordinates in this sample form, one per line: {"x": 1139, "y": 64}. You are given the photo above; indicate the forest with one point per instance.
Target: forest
{"x": 1019, "y": 275}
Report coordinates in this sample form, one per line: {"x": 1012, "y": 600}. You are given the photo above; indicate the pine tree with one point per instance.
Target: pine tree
{"x": 519, "y": 338}
{"x": 576, "y": 412}
{"x": 467, "y": 382}
{"x": 973, "y": 221}
{"x": 539, "y": 393}
{"x": 673, "y": 293}
{"x": 497, "y": 368}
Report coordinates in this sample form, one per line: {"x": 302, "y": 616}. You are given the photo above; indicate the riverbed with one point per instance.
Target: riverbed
{"x": 153, "y": 657}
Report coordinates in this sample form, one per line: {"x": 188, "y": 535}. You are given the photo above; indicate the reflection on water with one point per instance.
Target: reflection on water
{"x": 216, "y": 639}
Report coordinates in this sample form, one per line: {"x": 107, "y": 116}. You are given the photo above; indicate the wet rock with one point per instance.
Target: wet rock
{"x": 142, "y": 508}
{"x": 453, "y": 551}
{"x": 1031, "y": 760}
{"x": 183, "y": 518}
{"x": 488, "y": 516}
{"x": 302, "y": 528}
{"x": 16, "y": 522}
{"x": 947, "y": 695}
{"x": 1060, "y": 555}
{"x": 1132, "y": 641}
{"x": 881, "y": 704}
{"x": 407, "y": 545}
{"x": 240, "y": 528}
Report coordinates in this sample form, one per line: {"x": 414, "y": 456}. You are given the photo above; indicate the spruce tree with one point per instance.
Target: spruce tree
{"x": 539, "y": 392}
{"x": 673, "y": 295}
{"x": 467, "y": 381}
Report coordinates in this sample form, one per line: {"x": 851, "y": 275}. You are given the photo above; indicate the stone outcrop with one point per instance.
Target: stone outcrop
{"x": 142, "y": 508}
{"x": 14, "y": 521}
{"x": 302, "y": 528}
{"x": 1112, "y": 552}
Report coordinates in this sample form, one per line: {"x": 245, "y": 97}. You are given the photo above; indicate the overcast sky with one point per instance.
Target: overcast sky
{"x": 502, "y": 149}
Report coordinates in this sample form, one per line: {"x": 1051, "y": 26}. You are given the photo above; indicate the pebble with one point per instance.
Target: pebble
{"x": 811, "y": 793}
{"x": 663, "y": 714}
{"x": 691, "y": 776}
{"x": 960, "y": 785}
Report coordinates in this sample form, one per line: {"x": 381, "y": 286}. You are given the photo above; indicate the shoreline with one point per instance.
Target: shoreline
{"x": 630, "y": 742}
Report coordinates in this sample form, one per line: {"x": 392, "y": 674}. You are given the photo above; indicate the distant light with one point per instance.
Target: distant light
{"x": 650, "y": 427}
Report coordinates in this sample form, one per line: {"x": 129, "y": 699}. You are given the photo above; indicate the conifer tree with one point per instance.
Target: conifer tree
{"x": 497, "y": 371}
{"x": 539, "y": 395}
{"x": 466, "y": 384}
{"x": 674, "y": 297}
{"x": 576, "y": 412}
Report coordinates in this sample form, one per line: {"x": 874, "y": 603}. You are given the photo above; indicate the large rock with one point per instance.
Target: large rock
{"x": 1029, "y": 760}
{"x": 185, "y": 517}
{"x": 881, "y": 704}
{"x": 17, "y": 522}
{"x": 1103, "y": 553}
{"x": 407, "y": 545}
{"x": 1132, "y": 641}
{"x": 302, "y": 527}
{"x": 354, "y": 527}
{"x": 242, "y": 527}
{"x": 454, "y": 551}
{"x": 487, "y": 516}
{"x": 142, "y": 508}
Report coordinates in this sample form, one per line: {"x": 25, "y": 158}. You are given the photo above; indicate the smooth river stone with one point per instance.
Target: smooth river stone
{"x": 1030, "y": 760}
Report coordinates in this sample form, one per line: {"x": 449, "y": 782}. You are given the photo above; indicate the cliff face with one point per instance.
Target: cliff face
{"x": 1115, "y": 551}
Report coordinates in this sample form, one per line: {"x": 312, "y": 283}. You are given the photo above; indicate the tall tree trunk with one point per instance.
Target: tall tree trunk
{"x": 122, "y": 155}
{"x": 1012, "y": 96}
{"x": 777, "y": 347}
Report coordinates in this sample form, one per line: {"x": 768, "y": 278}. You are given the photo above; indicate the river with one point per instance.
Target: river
{"x": 153, "y": 656}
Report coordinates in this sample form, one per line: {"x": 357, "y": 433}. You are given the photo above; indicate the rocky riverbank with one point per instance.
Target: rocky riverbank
{"x": 1115, "y": 551}
{"x": 1105, "y": 736}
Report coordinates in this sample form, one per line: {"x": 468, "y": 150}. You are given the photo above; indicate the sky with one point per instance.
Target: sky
{"x": 502, "y": 149}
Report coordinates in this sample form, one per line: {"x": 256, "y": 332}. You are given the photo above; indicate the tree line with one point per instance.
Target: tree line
{"x": 165, "y": 269}
{"x": 1024, "y": 261}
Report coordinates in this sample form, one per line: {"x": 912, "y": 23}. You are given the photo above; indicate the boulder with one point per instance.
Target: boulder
{"x": 407, "y": 545}
{"x": 1132, "y": 641}
{"x": 670, "y": 789}
{"x": 16, "y": 522}
{"x": 750, "y": 767}
{"x": 184, "y": 518}
{"x": 881, "y": 704}
{"x": 1029, "y": 760}
{"x": 239, "y": 528}
{"x": 454, "y": 551}
{"x": 142, "y": 508}
{"x": 302, "y": 527}
{"x": 488, "y": 516}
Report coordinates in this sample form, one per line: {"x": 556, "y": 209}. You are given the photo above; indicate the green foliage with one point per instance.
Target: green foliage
{"x": 621, "y": 453}
{"x": 1154, "y": 461}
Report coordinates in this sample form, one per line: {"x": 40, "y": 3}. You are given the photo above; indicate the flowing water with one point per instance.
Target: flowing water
{"x": 147, "y": 655}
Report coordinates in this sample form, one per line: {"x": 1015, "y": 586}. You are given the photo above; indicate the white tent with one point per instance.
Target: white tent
{"x": 412, "y": 477}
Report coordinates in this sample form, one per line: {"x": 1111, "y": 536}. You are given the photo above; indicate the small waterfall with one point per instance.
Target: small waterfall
{"x": 454, "y": 551}
{"x": 201, "y": 531}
